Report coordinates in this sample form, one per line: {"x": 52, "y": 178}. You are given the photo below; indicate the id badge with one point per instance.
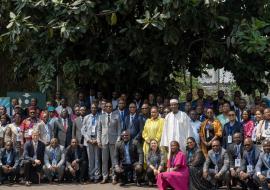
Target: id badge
{"x": 237, "y": 162}
{"x": 229, "y": 139}
{"x": 18, "y": 136}
{"x": 207, "y": 133}
{"x": 216, "y": 169}
{"x": 93, "y": 129}
{"x": 268, "y": 174}
{"x": 54, "y": 162}
{"x": 30, "y": 131}
{"x": 249, "y": 168}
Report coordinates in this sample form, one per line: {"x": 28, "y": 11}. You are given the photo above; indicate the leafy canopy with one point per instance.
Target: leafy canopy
{"x": 136, "y": 43}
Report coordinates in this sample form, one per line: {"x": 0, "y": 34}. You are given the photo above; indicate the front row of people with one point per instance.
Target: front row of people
{"x": 244, "y": 164}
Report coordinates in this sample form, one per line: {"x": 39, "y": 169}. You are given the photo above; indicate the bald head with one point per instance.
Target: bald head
{"x": 248, "y": 144}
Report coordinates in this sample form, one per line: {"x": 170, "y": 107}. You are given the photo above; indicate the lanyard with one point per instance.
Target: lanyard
{"x": 217, "y": 158}
{"x": 54, "y": 154}
{"x": 94, "y": 121}
{"x": 230, "y": 129}
{"x": 265, "y": 124}
{"x": 250, "y": 157}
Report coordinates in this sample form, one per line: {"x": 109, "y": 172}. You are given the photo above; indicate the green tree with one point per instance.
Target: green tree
{"x": 137, "y": 43}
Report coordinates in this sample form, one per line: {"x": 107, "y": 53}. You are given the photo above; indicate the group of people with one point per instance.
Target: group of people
{"x": 196, "y": 144}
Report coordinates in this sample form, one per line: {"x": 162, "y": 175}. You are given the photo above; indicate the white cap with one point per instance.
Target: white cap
{"x": 174, "y": 101}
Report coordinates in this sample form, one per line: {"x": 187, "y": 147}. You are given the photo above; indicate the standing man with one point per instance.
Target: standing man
{"x": 33, "y": 156}
{"x": 109, "y": 130}
{"x": 77, "y": 125}
{"x": 195, "y": 123}
{"x": 29, "y": 124}
{"x": 122, "y": 111}
{"x": 177, "y": 127}
{"x": 89, "y": 132}
{"x": 115, "y": 99}
{"x": 46, "y": 129}
{"x": 133, "y": 123}
{"x": 230, "y": 128}
{"x": 64, "y": 105}
{"x": 63, "y": 129}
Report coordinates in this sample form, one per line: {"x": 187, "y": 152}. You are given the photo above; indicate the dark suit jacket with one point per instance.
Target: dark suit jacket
{"x": 237, "y": 127}
{"x": 76, "y": 129}
{"x": 122, "y": 119}
{"x": 28, "y": 153}
{"x": 14, "y": 157}
{"x": 64, "y": 137}
{"x": 232, "y": 153}
{"x": 135, "y": 128}
{"x": 255, "y": 159}
{"x": 135, "y": 152}
{"x": 70, "y": 155}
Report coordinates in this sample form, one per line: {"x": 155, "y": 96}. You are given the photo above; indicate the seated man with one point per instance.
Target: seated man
{"x": 235, "y": 153}
{"x": 54, "y": 159}
{"x": 9, "y": 163}
{"x": 250, "y": 158}
{"x": 128, "y": 157}
{"x": 263, "y": 166}
{"x": 33, "y": 156}
{"x": 216, "y": 166}
{"x": 76, "y": 164}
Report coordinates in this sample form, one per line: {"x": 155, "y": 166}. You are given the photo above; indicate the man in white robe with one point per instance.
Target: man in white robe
{"x": 177, "y": 127}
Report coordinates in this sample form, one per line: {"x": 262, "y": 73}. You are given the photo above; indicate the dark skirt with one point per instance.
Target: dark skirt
{"x": 196, "y": 180}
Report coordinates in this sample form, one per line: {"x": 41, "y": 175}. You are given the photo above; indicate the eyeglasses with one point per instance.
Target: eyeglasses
{"x": 108, "y": 106}
{"x": 215, "y": 145}
{"x": 231, "y": 114}
{"x": 132, "y": 107}
{"x": 189, "y": 142}
{"x": 247, "y": 144}
{"x": 144, "y": 108}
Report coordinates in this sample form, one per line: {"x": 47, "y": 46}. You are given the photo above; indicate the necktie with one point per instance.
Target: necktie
{"x": 109, "y": 119}
{"x": 131, "y": 120}
{"x": 65, "y": 124}
{"x": 122, "y": 115}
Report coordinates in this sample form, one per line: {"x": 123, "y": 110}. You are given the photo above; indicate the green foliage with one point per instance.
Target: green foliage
{"x": 138, "y": 43}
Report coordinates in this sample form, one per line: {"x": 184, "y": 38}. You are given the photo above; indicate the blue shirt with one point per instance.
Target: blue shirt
{"x": 127, "y": 156}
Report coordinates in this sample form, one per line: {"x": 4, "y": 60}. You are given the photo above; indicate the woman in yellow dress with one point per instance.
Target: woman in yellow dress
{"x": 152, "y": 130}
{"x": 210, "y": 130}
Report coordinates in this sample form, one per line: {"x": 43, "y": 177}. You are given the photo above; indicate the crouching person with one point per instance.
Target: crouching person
{"x": 76, "y": 164}
{"x": 128, "y": 157}
{"x": 250, "y": 158}
{"x": 54, "y": 159}
{"x": 9, "y": 163}
{"x": 33, "y": 156}
{"x": 216, "y": 166}
{"x": 263, "y": 166}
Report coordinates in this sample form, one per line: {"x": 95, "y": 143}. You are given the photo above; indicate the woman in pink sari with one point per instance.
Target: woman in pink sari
{"x": 177, "y": 174}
